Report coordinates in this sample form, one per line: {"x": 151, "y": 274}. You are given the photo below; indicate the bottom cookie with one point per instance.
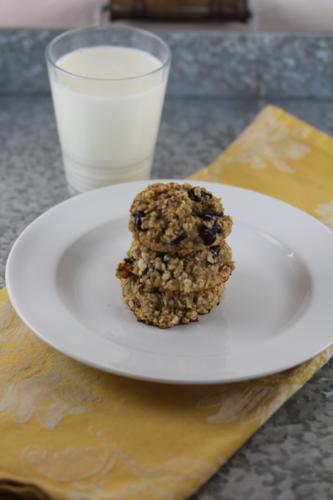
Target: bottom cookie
{"x": 165, "y": 310}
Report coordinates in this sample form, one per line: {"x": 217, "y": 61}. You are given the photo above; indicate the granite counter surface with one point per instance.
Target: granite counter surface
{"x": 291, "y": 457}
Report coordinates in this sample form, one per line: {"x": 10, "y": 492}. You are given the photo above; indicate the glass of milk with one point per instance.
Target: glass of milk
{"x": 108, "y": 86}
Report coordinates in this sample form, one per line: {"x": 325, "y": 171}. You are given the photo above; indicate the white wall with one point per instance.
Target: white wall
{"x": 48, "y": 13}
{"x": 293, "y": 15}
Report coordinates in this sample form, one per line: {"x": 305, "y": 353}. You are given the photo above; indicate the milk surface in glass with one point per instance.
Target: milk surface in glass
{"x": 108, "y": 102}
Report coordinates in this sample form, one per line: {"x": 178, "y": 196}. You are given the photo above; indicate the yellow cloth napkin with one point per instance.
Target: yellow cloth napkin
{"x": 71, "y": 432}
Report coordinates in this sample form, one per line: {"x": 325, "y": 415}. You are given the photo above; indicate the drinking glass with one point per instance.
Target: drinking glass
{"x": 108, "y": 86}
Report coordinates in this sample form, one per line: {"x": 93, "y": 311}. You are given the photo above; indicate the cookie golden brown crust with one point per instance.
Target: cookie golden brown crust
{"x": 168, "y": 309}
{"x": 178, "y": 218}
{"x": 207, "y": 268}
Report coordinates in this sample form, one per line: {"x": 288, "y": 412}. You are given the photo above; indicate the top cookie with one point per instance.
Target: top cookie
{"x": 178, "y": 218}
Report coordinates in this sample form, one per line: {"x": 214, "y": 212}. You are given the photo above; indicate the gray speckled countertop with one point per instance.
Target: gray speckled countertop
{"x": 291, "y": 456}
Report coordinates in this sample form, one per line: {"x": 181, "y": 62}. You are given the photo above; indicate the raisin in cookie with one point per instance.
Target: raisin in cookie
{"x": 178, "y": 218}
{"x": 207, "y": 268}
{"x": 168, "y": 309}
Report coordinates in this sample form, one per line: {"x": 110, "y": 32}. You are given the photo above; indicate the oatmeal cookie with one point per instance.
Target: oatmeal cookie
{"x": 207, "y": 268}
{"x": 178, "y": 218}
{"x": 165, "y": 310}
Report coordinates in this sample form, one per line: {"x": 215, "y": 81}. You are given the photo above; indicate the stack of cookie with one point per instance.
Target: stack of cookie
{"x": 179, "y": 261}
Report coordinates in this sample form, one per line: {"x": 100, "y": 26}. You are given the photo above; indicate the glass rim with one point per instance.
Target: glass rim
{"x": 50, "y": 59}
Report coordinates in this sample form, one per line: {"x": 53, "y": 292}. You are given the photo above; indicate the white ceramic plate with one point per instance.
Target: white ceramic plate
{"x": 276, "y": 313}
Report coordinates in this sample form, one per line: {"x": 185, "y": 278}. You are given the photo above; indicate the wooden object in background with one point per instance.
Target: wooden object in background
{"x": 180, "y": 10}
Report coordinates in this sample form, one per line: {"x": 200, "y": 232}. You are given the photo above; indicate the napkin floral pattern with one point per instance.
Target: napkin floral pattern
{"x": 72, "y": 432}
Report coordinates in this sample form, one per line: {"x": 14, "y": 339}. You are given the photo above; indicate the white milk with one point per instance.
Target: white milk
{"x": 107, "y": 127}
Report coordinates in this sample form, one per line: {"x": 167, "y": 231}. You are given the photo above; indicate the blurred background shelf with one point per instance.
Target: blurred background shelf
{"x": 179, "y": 10}
{"x": 229, "y": 15}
